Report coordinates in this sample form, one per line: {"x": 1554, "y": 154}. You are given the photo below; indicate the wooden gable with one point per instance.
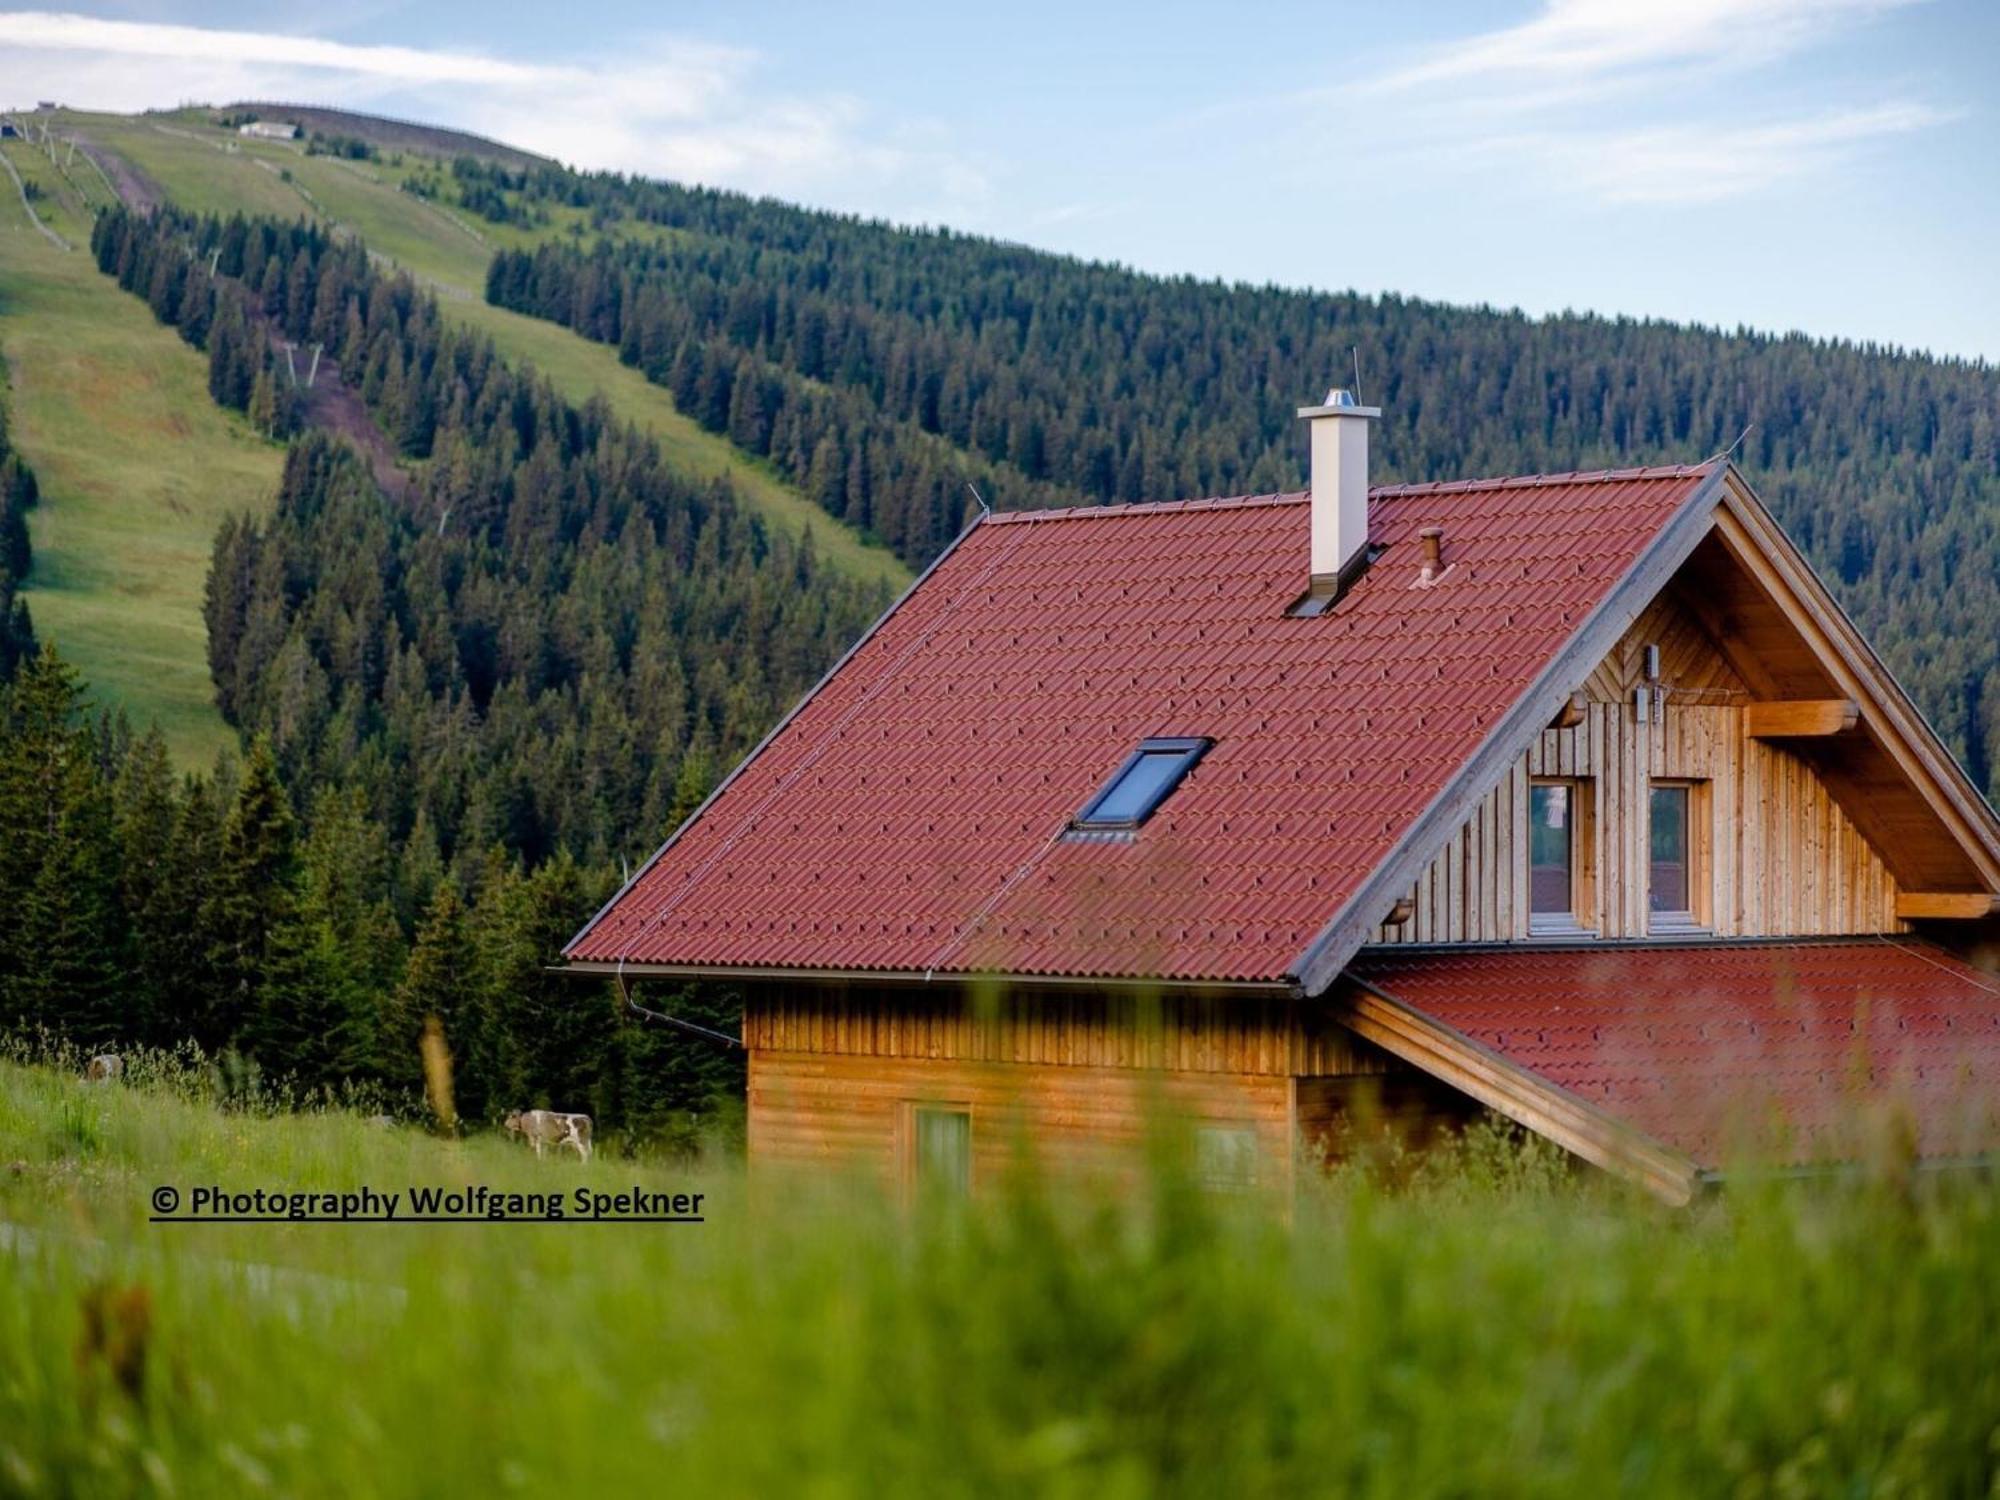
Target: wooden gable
{"x": 1781, "y": 856}
{"x": 1692, "y": 667}
{"x": 1829, "y": 807}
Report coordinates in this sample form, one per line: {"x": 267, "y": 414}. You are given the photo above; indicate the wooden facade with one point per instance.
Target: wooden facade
{"x": 1776, "y": 854}
{"x": 836, "y": 1071}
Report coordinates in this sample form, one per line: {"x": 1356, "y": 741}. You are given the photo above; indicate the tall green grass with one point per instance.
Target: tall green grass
{"x": 1496, "y": 1327}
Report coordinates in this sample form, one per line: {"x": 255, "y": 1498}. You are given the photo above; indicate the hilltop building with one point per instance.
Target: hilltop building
{"x": 1573, "y": 797}
{"x": 269, "y": 130}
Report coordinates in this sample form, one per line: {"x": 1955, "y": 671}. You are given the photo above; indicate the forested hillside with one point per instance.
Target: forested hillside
{"x": 544, "y": 637}
{"x": 466, "y": 705}
{"x": 881, "y": 368}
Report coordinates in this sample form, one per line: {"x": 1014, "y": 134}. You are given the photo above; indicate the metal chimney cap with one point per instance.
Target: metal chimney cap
{"x": 1340, "y": 402}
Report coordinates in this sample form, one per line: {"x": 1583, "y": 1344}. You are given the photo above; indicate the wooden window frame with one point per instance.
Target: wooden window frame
{"x": 1699, "y": 918}
{"x": 1581, "y": 920}
{"x": 908, "y": 1165}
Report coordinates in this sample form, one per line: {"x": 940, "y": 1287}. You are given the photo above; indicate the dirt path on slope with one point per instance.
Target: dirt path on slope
{"x": 134, "y": 188}
{"x": 333, "y": 406}
{"x": 329, "y": 403}
{"x": 28, "y": 204}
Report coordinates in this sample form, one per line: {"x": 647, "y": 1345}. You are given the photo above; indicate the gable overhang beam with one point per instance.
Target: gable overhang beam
{"x": 1480, "y": 1073}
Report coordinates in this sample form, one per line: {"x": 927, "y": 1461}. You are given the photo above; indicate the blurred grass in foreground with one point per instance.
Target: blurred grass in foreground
{"x": 1495, "y": 1327}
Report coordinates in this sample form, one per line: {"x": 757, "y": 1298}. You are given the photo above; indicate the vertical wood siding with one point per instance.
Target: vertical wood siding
{"x": 1783, "y": 859}
{"x": 1250, "y": 1035}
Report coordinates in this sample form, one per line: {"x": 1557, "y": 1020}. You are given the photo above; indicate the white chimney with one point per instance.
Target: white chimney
{"x": 1339, "y": 483}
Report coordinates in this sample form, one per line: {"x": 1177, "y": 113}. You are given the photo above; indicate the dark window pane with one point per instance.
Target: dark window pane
{"x": 1669, "y": 822}
{"x": 1551, "y": 840}
{"x": 944, "y": 1150}
{"x": 1140, "y": 784}
{"x": 1134, "y": 793}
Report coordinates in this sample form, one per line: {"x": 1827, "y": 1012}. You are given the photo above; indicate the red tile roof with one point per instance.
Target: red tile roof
{"x": 1710, "y": 1048}
{"x": 911, "y": 815}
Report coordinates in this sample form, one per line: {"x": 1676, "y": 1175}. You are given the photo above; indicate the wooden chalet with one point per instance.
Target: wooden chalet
{"x": 1573, "y": 797}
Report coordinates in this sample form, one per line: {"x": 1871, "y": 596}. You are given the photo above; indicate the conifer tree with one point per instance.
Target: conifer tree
{"x": 61, "y": 952}
{"x": 152, "y": 903}
{"x": 441, "y": 981}
{"x": 554, "y": 1037}
{"x": 255, "y": 902}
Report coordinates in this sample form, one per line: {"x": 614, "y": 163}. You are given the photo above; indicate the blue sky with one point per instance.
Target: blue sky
{"x": 1825, "y": 165}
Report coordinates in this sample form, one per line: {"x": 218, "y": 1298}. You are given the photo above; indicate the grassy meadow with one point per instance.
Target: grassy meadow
{"x": 137, "y": 467}
{"x": 1497, "y": 1327}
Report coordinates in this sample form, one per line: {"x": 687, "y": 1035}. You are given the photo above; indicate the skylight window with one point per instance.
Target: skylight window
{"x": 1142, "y": 783}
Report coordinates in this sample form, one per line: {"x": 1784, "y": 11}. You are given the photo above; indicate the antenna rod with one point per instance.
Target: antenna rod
{"x": 984, "y": 508}
{"x": 1355, "y": 350}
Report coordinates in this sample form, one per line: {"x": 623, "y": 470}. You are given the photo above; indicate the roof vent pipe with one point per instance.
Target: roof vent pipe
{"x": 1432, "y": 538}
{"x": 1339, "y": 486}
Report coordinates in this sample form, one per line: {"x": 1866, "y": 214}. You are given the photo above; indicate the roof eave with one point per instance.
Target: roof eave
{"x": 1941, "y": 779}
{"x": 620, "y": 969}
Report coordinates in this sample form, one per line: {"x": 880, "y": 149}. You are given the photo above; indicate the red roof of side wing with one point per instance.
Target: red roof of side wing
{"x": 912, "y": 815}
{"x": 1726, "y": 1047}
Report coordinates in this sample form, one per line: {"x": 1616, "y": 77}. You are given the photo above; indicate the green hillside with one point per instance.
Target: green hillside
{"x": 212, "y": 170}
{"x": 137, "y": 467}
{"x": 850, "y": 377}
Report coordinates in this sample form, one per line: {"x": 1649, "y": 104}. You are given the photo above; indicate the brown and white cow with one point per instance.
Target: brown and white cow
{"x": 103, "y": 1068}
{"x": 542, "y": 1128}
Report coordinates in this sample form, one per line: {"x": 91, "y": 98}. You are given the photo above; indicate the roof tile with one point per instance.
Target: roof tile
{"x": 1724, "y": 1046}
{"x": 934, "y": 774}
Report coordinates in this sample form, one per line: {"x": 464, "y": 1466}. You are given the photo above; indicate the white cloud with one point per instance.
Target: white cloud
{"x": 1574, "y": 40}
{"x": 673, "y": 107}
{"x": 1623, "y": 101}
{"x": 1707, "y": 163}
{"x": 173, "y": 44}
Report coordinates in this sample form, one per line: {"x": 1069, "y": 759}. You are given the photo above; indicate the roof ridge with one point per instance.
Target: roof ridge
{"x": 1375, "y": 492}
{"x": 1090, "y": 512}
{"x": 1530, "y": 481}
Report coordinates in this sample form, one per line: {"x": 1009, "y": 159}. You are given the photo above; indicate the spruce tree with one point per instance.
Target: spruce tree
{"x": 256, "y": 903}
{"x": 443, "y": 981}
{"x": 148, "y": 814}
{"x": 62, "y": 952}
{"x": 555, "y": 1037}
